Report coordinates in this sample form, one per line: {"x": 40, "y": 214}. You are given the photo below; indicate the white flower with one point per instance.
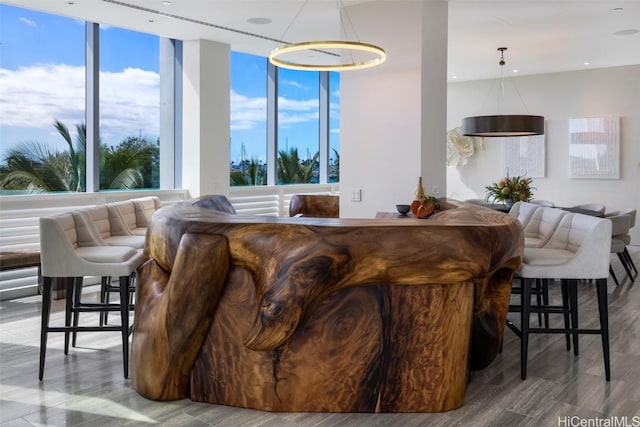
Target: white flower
{"x": 460, "y": 147}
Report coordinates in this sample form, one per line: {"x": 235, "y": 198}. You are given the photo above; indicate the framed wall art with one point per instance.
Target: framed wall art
{"x": 524, "y": 155}
{"x": 594, "y": 148}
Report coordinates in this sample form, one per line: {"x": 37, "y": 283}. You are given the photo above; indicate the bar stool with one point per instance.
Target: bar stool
{"x": 579, "y": 249}
{"x": 70, "y": 253}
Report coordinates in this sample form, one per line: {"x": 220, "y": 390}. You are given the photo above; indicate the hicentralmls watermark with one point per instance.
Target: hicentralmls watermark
{"x": 575, "y": 421}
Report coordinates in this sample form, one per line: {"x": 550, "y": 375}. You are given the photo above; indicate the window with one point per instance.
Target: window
{"x": 248, "y": 145}
{"x": 129, "y": 109}
{"x": 42, "y": 88}
{"x": 334, "y": 127}
{"x": 298, "y": 126}
{"x": 42, "y": 114}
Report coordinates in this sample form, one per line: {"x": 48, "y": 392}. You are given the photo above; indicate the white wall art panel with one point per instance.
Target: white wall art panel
{"x": 524, "y": 155}
{"x": 594, "y": 148}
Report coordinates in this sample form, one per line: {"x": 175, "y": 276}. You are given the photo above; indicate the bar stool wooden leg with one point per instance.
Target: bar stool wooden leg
{"x": 545, "y": 299}
{"x": 604, "y": 324}
{"x": 525, "y": 294}
{"x": 572, "y": 286}
{"x": 77, "y": 300}
{"x": 615, "y": 279}
{"x": 124, "y": 319}
{"x": 538, "y": 292}
{"x": 565, "y": 307}
{"x": 44, "y": 328}
{"x": 104, "y": 282}
{"x": 68, "y": 310}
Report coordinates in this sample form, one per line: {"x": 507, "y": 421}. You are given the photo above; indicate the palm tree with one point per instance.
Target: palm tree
{"x": 34, "y": 167}
{"x": 254, "y": 175}
{"x": 128, "y": 164}
{"x": 292, "y": 171}
{"x": 336, "y": 165}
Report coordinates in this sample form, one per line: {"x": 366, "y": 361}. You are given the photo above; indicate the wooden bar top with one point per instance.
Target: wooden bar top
{"x": 320, "y": 314}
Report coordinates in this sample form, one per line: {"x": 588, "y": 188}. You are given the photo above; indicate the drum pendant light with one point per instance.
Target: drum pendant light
{"x": 503, "y": 125}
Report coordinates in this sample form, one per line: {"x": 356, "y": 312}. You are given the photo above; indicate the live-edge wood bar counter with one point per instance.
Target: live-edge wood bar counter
{"x": 310, "y": 314}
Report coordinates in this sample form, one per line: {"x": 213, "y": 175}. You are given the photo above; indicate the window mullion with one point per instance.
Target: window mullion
{"x": 92, "y": 59}
{"x": 272, "y": 123}
{"x": 324, "y": 127}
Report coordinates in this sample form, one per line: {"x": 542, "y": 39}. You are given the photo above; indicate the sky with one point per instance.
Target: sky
{"x": 42, "y": 80}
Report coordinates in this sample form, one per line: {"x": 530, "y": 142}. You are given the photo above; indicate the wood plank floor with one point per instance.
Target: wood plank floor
{"x": 87, "y": 387}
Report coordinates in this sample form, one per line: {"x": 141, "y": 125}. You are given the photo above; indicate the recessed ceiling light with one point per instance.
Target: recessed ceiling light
{"x": 586, "y": 63}
{"x": 166, "y": 3}
{"x": 628, "y": 32}
{"x": 259, "y": 21}
{"x": 454, "y": 77}
{"x": 515, "y": 70}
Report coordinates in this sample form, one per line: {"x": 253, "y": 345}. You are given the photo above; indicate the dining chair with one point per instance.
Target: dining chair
{"x": 545, "y": 203}
{"x": 620, "y": 228}
{"x": 579, "y": 249}
{"x": 70, "y": 253}
{"x": 626, "y": 238}
{"x": 594, "y": 209}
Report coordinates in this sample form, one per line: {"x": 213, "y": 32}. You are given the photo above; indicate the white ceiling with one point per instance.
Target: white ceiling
{"x": 542, "y": 36}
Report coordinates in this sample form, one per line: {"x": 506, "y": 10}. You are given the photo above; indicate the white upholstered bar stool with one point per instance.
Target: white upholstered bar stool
{"x": 97, "y": 222}
{"x": 144, "y": 208}
{"x": 523, "y": 211}
{"x": 123, "y": 218}
{"x": 541, "y": 226}
{"x": 578, "y": 249}
{"x": 537, "y": 232}
{"x": 71, "y": 253}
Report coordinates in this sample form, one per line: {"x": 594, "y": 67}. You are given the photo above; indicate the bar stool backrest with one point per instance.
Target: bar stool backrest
{"x": 586, "y": 236}
{"x": 145, "y": 207}
{"x": 523, "y": 211}
{"x": 542, "y": 225}
{"x": 122, "y": 216}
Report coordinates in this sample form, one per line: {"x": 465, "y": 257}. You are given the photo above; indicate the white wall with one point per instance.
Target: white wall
{"x": 559, "y": 97}
{"x": 393, "y": 116}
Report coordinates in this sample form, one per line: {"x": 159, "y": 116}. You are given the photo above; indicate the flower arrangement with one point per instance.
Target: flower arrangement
{"x": 510, "y": 190}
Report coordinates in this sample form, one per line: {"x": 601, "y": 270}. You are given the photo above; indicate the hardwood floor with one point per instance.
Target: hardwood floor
{"x": 87, "y": 388}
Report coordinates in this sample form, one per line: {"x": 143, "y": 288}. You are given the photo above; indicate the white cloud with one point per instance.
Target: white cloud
{"x": 247, "y": 113}
{"x": 129, "y": 104}
{"x": 294, "y": 105}
{"x": 29, "y": 22}
{"x": 35, "y": 96}
{"x": 285, "y": 119}
{"x": 293, "y": 83}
